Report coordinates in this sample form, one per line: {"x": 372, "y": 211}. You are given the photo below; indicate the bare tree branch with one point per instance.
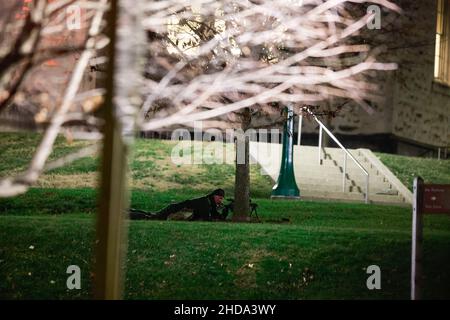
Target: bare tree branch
{"x": 30, "y": 176}
{"x": 63, "y": 161}
{"x": 309, "y": 56}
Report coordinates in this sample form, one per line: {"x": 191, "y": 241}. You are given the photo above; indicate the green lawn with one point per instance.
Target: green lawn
{"x": 407, "y": 168}
{"x": 151, "y": 168}
{"x": 299, "y": 250}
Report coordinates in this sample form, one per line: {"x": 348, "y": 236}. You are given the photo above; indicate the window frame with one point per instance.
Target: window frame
{"x": 442, "y": 47}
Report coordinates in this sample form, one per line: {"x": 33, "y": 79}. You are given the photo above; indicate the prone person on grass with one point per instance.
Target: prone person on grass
{"x": 204, "y": 209}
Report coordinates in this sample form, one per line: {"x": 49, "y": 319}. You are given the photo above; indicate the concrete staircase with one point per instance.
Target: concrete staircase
{"x": 325, "y": 181}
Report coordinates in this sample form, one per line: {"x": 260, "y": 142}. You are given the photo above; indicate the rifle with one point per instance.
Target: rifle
{"x": 227, "y": 208}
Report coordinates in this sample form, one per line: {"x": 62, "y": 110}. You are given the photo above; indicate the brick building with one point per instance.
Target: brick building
{"x": 414, "y": 118}
{"x": 43, "y": 88}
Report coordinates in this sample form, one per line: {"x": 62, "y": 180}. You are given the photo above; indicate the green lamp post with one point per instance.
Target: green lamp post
{"x": 286, "y": 186}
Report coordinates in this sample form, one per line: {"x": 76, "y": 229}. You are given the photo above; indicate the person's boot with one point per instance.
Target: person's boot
{"x": 141, "y": 215}
{"x": 152, "y": 216}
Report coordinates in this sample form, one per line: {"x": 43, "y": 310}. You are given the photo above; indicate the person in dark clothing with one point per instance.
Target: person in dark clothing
{"x": 203, "y": 208}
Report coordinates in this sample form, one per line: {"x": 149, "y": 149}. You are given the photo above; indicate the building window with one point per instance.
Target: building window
{"x": 442, "y": 51}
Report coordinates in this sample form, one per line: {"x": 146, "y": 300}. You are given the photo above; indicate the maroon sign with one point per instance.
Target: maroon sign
{"x": 436, "y": 198}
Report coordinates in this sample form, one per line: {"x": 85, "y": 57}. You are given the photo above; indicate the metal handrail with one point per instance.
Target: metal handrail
{"x": 445, "y": 151}
{"x": 346, "y": 152}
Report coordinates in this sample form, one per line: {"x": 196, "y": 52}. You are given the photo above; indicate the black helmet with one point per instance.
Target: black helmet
{"x": 218, "y": 192}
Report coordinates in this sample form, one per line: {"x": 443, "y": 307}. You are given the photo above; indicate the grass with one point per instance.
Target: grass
{"x": 151, "y": 167}
{"x": 299, "y": 250}
{"x": 16, "y": 150}
{"x": 407, "y": 168}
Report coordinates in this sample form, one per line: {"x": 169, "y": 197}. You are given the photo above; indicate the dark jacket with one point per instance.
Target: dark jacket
{"x": 203, "y": 208}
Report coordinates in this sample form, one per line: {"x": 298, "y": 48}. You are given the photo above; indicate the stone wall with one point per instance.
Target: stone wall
{"x": 414, "y": 108}
{"x": 421, "y": 110}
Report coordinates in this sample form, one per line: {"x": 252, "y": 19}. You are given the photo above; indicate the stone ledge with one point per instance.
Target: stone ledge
{"x": 404, "y": 191}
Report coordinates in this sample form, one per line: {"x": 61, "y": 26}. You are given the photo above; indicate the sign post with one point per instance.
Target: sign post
{"x": 428, "y": 199}
{"x": 416, "y": 249}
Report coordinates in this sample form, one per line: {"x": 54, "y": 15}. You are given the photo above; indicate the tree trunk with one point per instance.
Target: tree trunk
{"x": 111, "y": 234}
{"x": 121, "y": 108}
{"x": 326, "y": 140}
{"x": 242, "y": 188}
{"x": 241, "y": 210}
{"x": 325, "y": 137}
